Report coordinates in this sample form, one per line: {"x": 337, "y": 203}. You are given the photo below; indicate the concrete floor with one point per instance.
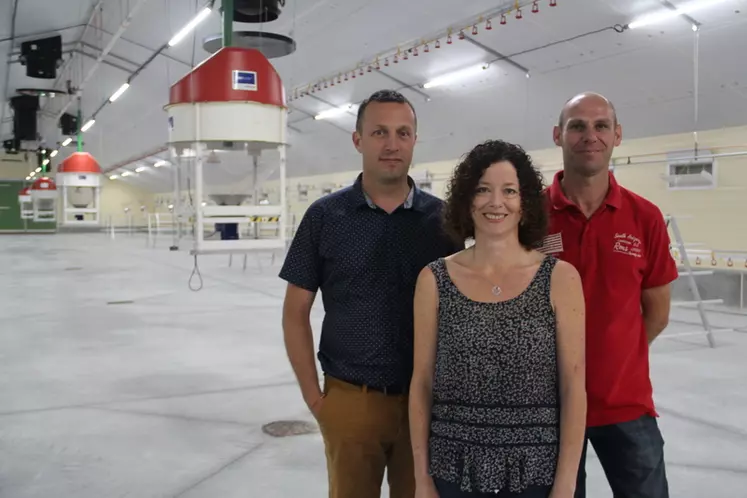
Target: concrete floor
{"x": 117, "y": 380}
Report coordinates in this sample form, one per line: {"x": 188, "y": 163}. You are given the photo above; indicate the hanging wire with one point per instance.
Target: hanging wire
{"x": 193, "y": 208}
{"x": 292, "y": 35}
{"x": 696, "y": 90}
{"x": 527, "y": 102}
{"x": 168, "y": 61}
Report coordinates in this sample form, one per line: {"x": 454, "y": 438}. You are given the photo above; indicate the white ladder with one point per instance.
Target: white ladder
{"x": 691, "y": 274}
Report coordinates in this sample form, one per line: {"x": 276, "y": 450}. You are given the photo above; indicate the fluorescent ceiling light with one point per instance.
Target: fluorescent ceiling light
{"x": 126, "y": 173}
{"x": 456, "y": 76}
{"x": 118, "y": 93}
{"x": 665, "y": 15}
{"x": 54, "y": 153}
{"x": 337, "y": 111}
{"x": 88, "y": 125}
{"x": 67, "y": 142}
{"x": 161, "y": 163}
{"x": 114, "y": 177}
{"x": 189, "y": 27}
{"x": 38, "y": 170}
{"x": 140, "y": 169}
{"x": 45, "y": 162}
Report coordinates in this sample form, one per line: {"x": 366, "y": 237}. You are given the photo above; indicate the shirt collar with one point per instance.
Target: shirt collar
{"x": 414, "y": 198}
{"x": 559, "y": 201}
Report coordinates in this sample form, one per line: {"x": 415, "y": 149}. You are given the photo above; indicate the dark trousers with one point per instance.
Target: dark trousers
{"x": 451, "y": 490}
{"x": 632, "y": 457}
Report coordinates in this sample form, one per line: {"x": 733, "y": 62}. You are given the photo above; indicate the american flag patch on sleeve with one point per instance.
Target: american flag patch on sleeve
{"x": 552, "y": 244}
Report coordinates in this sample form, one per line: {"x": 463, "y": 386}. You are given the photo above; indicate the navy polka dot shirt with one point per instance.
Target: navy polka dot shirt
{"x": 365, "y": 261}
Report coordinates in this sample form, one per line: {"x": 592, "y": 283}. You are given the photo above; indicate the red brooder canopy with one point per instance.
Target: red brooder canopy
{"x": 232, "y": 74}
{"x": 44, "y": 183}
{"x": 80, "y": 162}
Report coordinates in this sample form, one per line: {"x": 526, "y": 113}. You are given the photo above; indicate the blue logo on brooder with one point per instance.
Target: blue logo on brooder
{"x": 244, "y": 80}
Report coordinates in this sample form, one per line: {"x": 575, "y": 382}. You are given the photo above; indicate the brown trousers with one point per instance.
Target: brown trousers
{"x": 366, "y": 432}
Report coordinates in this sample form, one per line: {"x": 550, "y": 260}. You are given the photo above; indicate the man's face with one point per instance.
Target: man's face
{"x": 588, "y": 136}
{"x": 386, "y": 140}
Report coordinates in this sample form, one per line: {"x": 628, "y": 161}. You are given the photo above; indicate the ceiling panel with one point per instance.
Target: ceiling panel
{"x": 6, "y": 25}
{"x": 53, "y": 16}
{"x": 570, "y": 48}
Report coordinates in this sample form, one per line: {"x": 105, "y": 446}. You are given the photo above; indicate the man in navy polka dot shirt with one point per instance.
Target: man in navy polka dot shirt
{"x": 363, "y": 247}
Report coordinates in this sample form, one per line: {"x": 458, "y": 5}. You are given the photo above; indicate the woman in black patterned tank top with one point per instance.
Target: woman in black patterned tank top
{"x": 497, "y": 399}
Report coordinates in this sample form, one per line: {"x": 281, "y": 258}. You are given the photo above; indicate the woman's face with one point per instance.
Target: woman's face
{"x": 496, "y": 206}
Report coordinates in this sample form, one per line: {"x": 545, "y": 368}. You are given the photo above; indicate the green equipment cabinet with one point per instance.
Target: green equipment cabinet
{"x": 10, "y": 211}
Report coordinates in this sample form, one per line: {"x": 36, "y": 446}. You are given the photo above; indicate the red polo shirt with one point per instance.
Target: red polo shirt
{"x": 620, "y": 250}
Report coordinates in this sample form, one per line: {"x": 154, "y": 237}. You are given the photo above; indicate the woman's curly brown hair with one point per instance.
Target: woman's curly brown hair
{"x": 460, "y": 192}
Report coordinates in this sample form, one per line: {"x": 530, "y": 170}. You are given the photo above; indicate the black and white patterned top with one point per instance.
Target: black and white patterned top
{"x": 495, "y": 419}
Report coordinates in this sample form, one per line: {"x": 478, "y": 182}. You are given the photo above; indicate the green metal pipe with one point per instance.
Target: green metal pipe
{"x": 227, "y": 23}
{"x": 80, "y": 124}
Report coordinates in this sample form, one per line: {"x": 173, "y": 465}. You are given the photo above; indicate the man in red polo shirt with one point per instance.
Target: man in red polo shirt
{"x": 619, "y": 243}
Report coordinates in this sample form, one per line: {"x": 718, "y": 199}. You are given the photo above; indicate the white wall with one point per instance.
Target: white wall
{"x": 714, "y": 217}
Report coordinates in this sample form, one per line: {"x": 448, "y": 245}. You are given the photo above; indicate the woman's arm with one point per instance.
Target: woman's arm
{"x": 426, "y": 328}
{"x": 567, "y": 296}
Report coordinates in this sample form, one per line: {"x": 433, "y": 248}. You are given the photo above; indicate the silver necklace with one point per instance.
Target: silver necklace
{"x": 496, "y": 290}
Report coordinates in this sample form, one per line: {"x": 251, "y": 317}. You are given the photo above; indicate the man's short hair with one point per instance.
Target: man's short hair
{"x": 383, "y": 96}
{"x": 587, "y": 94}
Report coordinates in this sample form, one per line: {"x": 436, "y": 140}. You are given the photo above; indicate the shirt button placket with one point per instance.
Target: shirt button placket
{"x": 584, "y": 239}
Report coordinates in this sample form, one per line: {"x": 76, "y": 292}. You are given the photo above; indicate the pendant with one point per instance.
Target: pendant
{"x": 496, "y": 290}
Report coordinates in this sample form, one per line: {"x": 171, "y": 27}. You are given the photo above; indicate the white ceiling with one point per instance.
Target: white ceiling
{"x": 649, "y": 72}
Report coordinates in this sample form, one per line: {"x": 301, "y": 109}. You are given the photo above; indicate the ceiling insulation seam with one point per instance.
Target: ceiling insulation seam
{"x": 122, "y": 28}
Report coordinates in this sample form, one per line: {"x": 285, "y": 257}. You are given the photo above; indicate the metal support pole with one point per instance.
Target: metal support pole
{"x": 97, "y": 200}
{"x": 282, "y": 222}
{"x": 64, "y": 205}
{"x": 227, "y": 23}
{"x": 255, "y": 195}
{"x": 199, "y": 227}
{"x": 149, "y": 239}
{"x": 176, "y": 206}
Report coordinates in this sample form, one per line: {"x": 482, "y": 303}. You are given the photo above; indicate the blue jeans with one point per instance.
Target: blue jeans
{"x": 450, "y": 490}
{"x": 632, "y": 457}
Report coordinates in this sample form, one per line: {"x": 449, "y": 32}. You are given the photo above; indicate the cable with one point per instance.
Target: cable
{"x": 195, "y": 271}
{"x": 617, "y": 28}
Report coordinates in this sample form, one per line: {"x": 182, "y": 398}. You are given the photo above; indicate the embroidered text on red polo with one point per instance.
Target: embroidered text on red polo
{"x": 620, "y": 250}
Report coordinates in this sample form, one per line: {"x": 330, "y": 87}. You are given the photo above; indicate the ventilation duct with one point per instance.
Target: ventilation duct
{"x": 257, "y": 11}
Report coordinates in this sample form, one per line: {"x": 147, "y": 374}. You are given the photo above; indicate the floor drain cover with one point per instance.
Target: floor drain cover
{"x": 285, "y": 428}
